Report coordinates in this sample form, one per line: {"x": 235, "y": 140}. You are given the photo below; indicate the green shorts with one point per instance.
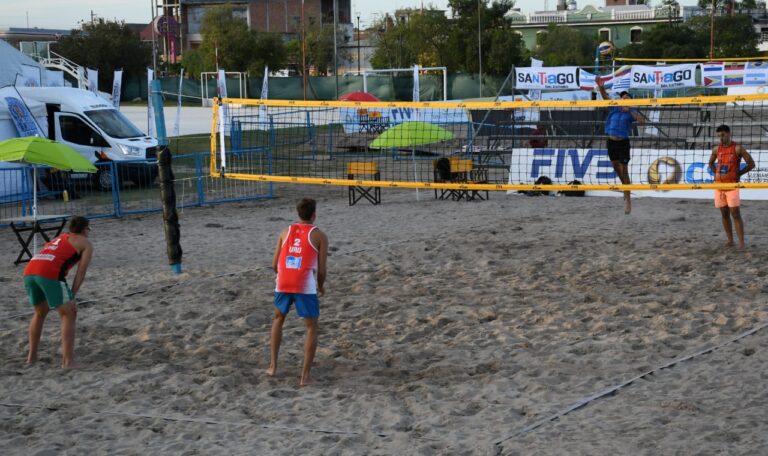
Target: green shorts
{"x": 41, "y": 289}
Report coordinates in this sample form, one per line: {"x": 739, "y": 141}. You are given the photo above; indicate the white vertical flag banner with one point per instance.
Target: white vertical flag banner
{"x": 22, "y": 118}
{"x": 54, "y": 78}
{"x": 81, "y": 78}
{"x": 221, "y": 86}
{"x": 93, "y": 80}
{"x": 264, "y": 96}
{"x": 177, "y": 123}
{"x": 117, "y": 87}
{"x": 150, "y": 112}
{"x": 416, "y": 88}
{"x": 535, "y": 94}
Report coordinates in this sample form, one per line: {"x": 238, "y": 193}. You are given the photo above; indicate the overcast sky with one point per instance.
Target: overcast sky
{"x": 65, "y": 14}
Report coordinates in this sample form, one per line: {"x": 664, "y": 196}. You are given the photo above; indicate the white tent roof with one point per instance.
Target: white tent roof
{"x": 11, "y": 61}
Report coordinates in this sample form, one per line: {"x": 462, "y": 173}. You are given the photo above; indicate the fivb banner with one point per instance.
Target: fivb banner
{"x": 669, "y": 77}
{"x": 592, "y": 166}
{"x": 22, "y": 118}
{"x": 546, "y": 78}
{"x": 357, "y": 120}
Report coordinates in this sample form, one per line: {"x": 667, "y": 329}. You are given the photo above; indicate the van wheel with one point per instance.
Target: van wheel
{"x": 103, "y": 179}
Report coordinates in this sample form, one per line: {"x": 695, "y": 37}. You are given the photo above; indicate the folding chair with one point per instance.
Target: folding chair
{"x": 356, "y": 170}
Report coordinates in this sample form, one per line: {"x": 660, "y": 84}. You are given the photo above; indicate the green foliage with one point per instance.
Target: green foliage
{"x": 564, "y": 46}
{"x": 106, "y": 46}
{"x": 228, "y": 44}
{"x": 734, "y": 37}
{"x": 670, "y": 41}
{"x": 428, "y": 38}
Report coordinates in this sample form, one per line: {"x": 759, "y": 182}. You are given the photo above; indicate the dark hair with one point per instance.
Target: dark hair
{"x": 78, "y": 224}
{"x": 306, "y": 208}
{"x": 724, "y": 128}
{"x": 624, "y": 92}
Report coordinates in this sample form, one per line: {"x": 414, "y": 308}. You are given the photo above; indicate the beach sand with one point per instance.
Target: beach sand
{"x": 447, "y": 328}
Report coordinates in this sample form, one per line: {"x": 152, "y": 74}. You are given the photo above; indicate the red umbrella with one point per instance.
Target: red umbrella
{"x": 358, "y": 96}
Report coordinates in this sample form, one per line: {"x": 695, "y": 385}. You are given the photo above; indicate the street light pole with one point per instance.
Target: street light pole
{"x": 335, "y": 45}
{"x": 479, "y": 49}
{"x": 358, "y": 45}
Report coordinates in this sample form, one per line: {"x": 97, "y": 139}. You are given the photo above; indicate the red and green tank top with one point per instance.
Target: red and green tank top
{"x": 55, "y": 259}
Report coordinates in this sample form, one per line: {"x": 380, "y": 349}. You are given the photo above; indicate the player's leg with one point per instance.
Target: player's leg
{"x": 738, "y": 225}
{"x": 37, "y": 297}
{"x": 282, "y": 306}
{"x": 36, "y": 330}
{"x": 68, "y": 314}
{"x": 725, "y": 215}
{"x": 310, "y": 347}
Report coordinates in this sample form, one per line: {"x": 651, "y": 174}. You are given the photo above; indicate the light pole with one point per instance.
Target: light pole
{"x": 479, "y": 49}
{"x": 358, "y": 44}
{"x": 335, "y": 46}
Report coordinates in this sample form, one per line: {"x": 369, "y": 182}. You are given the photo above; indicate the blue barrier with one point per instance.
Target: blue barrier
{"x": 129, "y": 187}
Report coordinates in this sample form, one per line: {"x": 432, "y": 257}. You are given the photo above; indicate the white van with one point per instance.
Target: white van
{"x": 92, "y": 126}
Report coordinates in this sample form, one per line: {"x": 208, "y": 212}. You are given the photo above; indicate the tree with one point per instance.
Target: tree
{"x": 106, "y": 46}
{"x": 735, "y": 36}
{"x": 563, "y": 45}
{"x": 228, "y": 44}
{"x": 668, "y": 41}
{"x": 428, "y": 38}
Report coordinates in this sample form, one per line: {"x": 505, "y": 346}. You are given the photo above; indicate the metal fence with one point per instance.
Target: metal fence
{"x": 118, "y": 189}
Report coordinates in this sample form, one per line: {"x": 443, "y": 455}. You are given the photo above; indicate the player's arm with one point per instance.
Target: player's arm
{"x": 599, "y": 83}
{"x": 638, "y": 116}
{"x": 277, "y": 249}
{"x": 82, "y": 266}
{"x": 322, "y": 256}
{"x": 712, "y": 158}
{"x": 747, "y": 158}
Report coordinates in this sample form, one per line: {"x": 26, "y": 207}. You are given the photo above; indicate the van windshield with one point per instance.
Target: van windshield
{"x": 114, "y": 123}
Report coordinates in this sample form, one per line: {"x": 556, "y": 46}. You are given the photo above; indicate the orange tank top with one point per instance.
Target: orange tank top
{"x": 728, "y": 161}
{"x": 297, "y": 261}
{"x": 55, "y": 259}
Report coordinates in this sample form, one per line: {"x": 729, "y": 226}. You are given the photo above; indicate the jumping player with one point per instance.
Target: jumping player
{"x": 299, "y": 261}
{"x": 45, "y": 281}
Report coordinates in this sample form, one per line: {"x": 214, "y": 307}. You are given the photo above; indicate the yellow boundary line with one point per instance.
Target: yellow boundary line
{"x": 297, "y": 104}
{"x": 489, "y": 187}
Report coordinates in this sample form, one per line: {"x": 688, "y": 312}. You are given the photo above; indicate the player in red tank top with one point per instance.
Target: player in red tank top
{"x": 45, "y": 281}
{"x": 299, "y": 262}
{"x": 725, "y": 164}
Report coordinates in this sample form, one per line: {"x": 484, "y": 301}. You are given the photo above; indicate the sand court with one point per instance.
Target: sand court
{"x": 447, "y": 328}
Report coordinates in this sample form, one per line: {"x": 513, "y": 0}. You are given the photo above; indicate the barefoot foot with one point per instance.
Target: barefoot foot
{"x": 271, "y": 371}
{"x": 306, "y": 381}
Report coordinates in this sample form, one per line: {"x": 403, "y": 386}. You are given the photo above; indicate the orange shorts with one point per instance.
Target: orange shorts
{"x": 727, "y": 198}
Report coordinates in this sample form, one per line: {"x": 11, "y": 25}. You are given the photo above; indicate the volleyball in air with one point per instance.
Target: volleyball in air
{"x": 605, "y": 48}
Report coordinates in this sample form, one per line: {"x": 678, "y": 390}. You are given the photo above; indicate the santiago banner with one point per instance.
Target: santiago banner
{"x": 532, "y": 78}
{"x": 669, "y": 77}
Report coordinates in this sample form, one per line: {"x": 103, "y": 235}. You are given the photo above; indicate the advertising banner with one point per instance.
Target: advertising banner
{"x": 29, "y": 76}
{"x": 22, "y": 118}
{"x": 93, "y": 80}
{"x": 669, "y": 77}
{"x": 592, "y": 166}
{"x": 117, "y": 85}
{"x": 546, "y": 78}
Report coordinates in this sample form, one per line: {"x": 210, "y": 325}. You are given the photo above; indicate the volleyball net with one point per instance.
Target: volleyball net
{"x": 483, "y": 145}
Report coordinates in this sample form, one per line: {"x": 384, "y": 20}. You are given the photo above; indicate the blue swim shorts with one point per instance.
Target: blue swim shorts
{"x": 307, "y": 305}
